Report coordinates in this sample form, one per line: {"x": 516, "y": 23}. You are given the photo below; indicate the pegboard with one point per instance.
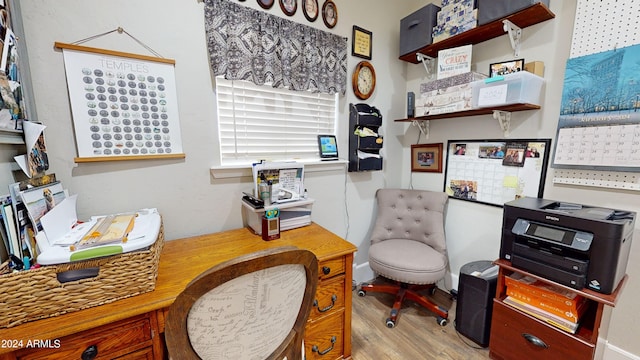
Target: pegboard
{"x": 608, "y": 179}
{"x": 601, "y": 26}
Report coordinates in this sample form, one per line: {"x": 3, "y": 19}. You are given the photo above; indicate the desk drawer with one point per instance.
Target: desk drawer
{"x": 508, "y": 327}
{"x": 325, "y": 339}
{"x": 117, "y": 340}
{"x": 331, "y": 268}
{"x": 329, "y": 298}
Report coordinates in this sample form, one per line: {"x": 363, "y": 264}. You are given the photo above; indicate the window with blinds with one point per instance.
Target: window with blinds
{"x": 260, "y": 122}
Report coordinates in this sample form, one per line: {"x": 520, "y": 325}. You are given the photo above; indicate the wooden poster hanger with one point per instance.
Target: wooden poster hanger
{"x": 96, "y": 141}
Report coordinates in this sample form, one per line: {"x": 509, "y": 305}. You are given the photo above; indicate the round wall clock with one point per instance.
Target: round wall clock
{"x": 363, "y": 80}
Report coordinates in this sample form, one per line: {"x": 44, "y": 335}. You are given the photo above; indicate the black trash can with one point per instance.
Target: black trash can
{"x": 476, "y": 290}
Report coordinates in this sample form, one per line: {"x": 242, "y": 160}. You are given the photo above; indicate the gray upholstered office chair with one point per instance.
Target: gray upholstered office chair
{"x": 408, "y": 247}
{"x": 251, "y": 307}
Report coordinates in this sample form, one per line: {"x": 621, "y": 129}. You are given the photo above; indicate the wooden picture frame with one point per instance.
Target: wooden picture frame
{"x": 426, "y": 158}
{"x": 506, "y": 67}
{"x": 361, "y": 41}
{"x": 310, "y": 9}
{"x": 265, "y": 4}
{"x": 289, "y": 7}
{"x": 329, "y": 14}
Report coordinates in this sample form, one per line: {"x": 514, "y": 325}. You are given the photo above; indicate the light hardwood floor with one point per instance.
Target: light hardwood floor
{"x": 415, "y": 336}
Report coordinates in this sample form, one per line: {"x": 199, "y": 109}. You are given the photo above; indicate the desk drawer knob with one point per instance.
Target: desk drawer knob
{"x": 326, "y": 270}
{"x": 89, "y": 353}
{"x": 334, "y": 298}
{"x": 535, "y": 341}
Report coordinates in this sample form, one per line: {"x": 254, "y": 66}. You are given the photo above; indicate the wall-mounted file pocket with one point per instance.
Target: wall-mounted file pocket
{"x": 364, "y": 114}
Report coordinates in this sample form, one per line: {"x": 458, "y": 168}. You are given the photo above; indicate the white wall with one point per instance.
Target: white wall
{"x": 473, "y": 230}
{"x": 193, "y": 202}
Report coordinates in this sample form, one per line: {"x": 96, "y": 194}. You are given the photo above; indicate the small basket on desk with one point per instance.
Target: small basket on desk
{"x": 36, "y": 294}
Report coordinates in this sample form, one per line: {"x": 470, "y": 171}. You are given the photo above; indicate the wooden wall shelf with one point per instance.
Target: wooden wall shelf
{"x": 524, "y": 18}
{"x": 483, "y": 111}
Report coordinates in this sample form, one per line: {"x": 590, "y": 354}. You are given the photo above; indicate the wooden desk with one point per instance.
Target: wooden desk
{"x": 133, "y": 328}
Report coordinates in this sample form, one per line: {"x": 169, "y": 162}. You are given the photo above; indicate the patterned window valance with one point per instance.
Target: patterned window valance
{"x": 249, "y": 44}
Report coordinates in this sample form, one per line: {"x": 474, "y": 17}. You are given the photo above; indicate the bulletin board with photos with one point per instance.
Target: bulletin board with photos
{"x": 496, "y": 171}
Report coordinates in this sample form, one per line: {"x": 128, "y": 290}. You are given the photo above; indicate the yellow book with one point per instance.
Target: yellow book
{"x": 545, "y": 316}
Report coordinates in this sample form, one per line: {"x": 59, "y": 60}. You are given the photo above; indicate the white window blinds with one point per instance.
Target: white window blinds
{"x": 260, "y": 122}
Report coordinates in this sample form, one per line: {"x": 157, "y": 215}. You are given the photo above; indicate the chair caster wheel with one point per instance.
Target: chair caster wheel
{"x": 442, "y": 321}
{"x": 390, "y": 324}
{"x": 362, "y": 293}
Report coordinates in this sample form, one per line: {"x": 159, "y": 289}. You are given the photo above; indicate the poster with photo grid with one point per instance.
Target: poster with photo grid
{"x": 123, "y": 105}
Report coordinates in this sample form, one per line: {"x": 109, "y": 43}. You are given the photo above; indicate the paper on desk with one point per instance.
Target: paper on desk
{"x": 59, "y": 224}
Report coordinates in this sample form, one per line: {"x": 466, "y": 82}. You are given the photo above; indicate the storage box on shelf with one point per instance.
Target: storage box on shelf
{"x": 491, "y": 10}
{"x": 454, "y": 18}
{"x": 416, "y": 29}
{"x": 38, "y": 293}
{"x": 517, "y": 88}
{"x": 532, "y": 15}
{"x": 447, "y": 95}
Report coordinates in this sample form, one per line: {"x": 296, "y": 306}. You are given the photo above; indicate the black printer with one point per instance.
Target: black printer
{"x": 575, "y": 245}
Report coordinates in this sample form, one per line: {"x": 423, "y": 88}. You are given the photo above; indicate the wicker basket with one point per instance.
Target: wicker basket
{"x": 37, "y": 293}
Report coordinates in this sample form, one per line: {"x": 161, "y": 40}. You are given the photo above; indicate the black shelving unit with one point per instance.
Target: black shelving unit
{"x": 367, "y": 119}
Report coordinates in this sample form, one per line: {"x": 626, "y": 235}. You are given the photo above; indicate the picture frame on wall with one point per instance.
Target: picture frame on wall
{"x": 506, "y": 67}
{"x": 329, "y": 14}
{"x": 265, "y": 4}
{"x": 289, "y": 7}
{"x": 310, "y": 9}
{"x": 361, "y": 41}
{"x": 426, "y": 158}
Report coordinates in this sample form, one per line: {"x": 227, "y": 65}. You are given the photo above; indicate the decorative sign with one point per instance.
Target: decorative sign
{"x": 454, "y": 61}
{"x": 124, "y": 106}
{"x": 361, "y": 43}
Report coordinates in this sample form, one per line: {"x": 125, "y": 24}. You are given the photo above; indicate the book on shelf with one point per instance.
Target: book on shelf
{"x": 545, "y": 316}
{"x": 571, "y": 312}
{"x": 529, "y": 285}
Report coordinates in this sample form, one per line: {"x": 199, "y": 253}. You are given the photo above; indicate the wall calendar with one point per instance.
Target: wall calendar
{"x": 599, "y": 125}
{"x": 124, "y": 106}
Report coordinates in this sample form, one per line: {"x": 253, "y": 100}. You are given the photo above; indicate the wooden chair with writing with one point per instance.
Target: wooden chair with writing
{"x": 251, "y": 307}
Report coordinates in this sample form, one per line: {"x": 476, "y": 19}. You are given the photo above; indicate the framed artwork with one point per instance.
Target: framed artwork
{"x": 289, "y": 7}
{"x": 310, "y": 9}
{"x": 514, "y": 154}
{"x": 361, "y": 41}
{"x": 507, "y": 67}
{"x": 265, "y": 4}
{"x": 426, "y": 158}
{"x": 329, "y": 14}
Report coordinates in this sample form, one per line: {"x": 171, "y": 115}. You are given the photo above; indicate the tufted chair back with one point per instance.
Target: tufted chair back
{"x": 411, "y": 215}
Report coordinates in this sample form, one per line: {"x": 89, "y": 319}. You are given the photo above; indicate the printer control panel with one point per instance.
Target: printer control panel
{"x": 574, "y": 239}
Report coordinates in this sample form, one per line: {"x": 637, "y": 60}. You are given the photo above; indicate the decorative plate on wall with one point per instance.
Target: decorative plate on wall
{"x": 266, "y": 4}
{"x": 289, "y": 7}
{"x": 329, "y": 14}
{"x": 310, "y": 9}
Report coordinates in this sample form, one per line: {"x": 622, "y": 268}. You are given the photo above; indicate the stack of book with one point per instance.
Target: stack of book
{"x": 552, "y": 304}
